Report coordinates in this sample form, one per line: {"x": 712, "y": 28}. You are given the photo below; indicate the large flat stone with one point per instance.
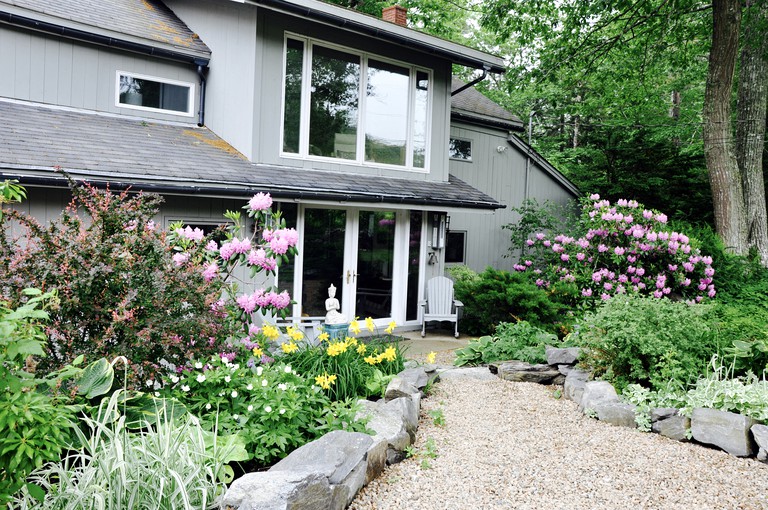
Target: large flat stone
{"x": 387, "y": 423}
{"x": 521, "y": 371}
{"x": 760, "y": 434}
{"x": 618, "y": 414}
{"x": 729, "y": 431}
{"x": 408, "y": 409}
{"x": 399, "y": 387}
{"x": 673, "y": 427}
{"x": 417, "y": 377}
{"x": 279, "y": 490}
{"x": 573, "y": 387}
{"x": 463, "y": 373}
{"x": 597, "y": 393}
{"x": 377, "y": 459}
{"x": 662, "y": 413}
{"x": 562, "y": 356}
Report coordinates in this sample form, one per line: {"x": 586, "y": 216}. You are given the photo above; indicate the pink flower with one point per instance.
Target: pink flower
{"x": 640, "y": 271}
{"x": 539, "y": 282}
{"x": 647, "y": 214}
{"x": 151, "y": 226}
{"x": 180, "y": 258}
{"x": 597, "y": 276}
{"x": 547, "y": 243}
{"x": 212, "y": 246}
{"x": 278, "y": 245}
{"x": 540, "y": 236}
{"x": 707, "y": 260}
{"x": 672, "y": 267}
{"x": 618, "y": 250}
{"x": 130, "y": 226}
{"x": 602, "y": 248}
{"x": 210, "y": 271}
{"x": 241, "y": 245}
{"x": 227, "y": 250}
{"x": 709, "y": 271}
{"x": 281, "y": 300}
{"x": 594, "y": 196}
{"x": 604, "y": 296}
{"x": 607, "y": 286}
{"x": 623, "y": 278}
{"x": 530, "y": 242}
{"x": 564, "y": 257}
{"x": 580, "y": 256}
{"x": 260, "y": 202}
{"x": 688, "y": 266}
{"x": 711, "y": 293}
{"x": 657, "y": 294}
{"x": 686, "y": 282}
{"x": 528, "y": 263}
{"x": 247, "y": 302}
{"x": 661, "y": 218}
{"x": 586, "y": 292}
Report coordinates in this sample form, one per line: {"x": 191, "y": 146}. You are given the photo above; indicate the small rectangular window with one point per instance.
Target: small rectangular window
{"x": 455, "y": 247}
{"x": 149, "y": 93}
{"x": 460, "y": 149}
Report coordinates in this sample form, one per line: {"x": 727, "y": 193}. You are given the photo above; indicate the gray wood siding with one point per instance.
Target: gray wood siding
{"x": 502, "y": 176}
{"x": 61, "y": 72}
{"x": 230, "y": 31}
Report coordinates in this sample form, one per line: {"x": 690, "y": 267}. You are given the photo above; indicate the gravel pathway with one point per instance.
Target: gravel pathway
{"x": 514, "y": 445}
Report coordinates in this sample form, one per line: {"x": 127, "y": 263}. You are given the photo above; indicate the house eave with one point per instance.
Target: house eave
{"x": 485, "y": 120}
{"x": 544, "y": 164}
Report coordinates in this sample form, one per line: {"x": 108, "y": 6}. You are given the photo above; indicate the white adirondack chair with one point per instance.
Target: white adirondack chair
{"x": 440, "y": 305}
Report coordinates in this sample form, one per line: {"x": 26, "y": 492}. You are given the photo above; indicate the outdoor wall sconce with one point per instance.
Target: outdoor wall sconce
{"x": 439, "y": 225}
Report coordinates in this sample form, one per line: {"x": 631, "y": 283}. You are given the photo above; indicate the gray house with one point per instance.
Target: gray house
{"x": 347, "y": 120}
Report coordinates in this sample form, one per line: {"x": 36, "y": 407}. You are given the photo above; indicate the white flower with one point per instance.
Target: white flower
{"x": 150, "y": 382}
{"x": 207, "y": 407}
{"x": 199, "y": 365}
{"x": 267, "y": 409}
{"x": 250, "y": 408}
{"x": 236, "y": 417}
{"x": 157, "y": 394}
{"x": 282, "y": 386}
{"x": 221, "y": 394}
{"x": 235, "y": 367}
{"x": 200, "y": 377}
{"x": 234, "y": 393}
{"x": 259, "y": 370}
{"x": 282, "y": 411}
{"x": 174, "y": 379}
{"x": 227, "y": 379}
{"x": 287, "y": 369}
{"x": 184, "y": 387}
{"x": 264, "y": 382}
{"x": 249, "y": 387}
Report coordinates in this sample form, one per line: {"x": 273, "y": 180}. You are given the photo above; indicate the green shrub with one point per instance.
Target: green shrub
{"x": 634, "y": 339}
{"x": 495, "y": 296}
{"x": 120, "y": 291}
{"x": 520, "y": 341}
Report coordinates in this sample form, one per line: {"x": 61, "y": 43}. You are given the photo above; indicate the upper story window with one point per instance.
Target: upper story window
{"x": 460, "y": 149}
{"x": 353, "y": 106}
{"x": 156, "y": 94}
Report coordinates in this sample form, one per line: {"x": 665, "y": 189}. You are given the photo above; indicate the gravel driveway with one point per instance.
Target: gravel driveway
{"x": 514, "y": 445}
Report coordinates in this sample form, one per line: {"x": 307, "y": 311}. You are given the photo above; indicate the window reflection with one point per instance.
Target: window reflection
{"x": 386, "y": 113}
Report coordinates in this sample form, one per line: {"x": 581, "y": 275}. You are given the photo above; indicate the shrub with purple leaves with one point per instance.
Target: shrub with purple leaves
{"x": 627, "y": 249}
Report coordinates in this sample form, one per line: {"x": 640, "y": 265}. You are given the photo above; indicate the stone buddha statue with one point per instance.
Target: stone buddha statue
{"x": 332, "y": 306}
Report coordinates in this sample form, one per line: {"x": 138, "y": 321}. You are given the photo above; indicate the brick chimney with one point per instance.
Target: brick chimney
{"x": 395, "y": 14}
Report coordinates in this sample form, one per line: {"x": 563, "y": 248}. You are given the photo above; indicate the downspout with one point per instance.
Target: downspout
{"x": 528, "y": 158}
{"x": 202, "y": 70}
{"x": 473, "y": 82}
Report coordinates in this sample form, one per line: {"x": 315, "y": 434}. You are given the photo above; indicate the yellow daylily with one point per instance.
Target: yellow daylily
{"x": 323, "y": 337}
{"x": 390, "y": 328}
{"x": 361, "y": 349}
{"x": 431, "y": 357}
{"x": 372, "y": 360}
{"x": 369, "y": 324}
{"x": 270, "y": 332}
{"x": 289, "y": 347}
{"x": 350, "y": 341}
{"x": 389, "y": 354}
{"x": 354, "y": 327}
{"x": 258, "y": 352}
{"x": 295, "y": 333}
{"x": 336, "y": 348}
{"x": 325, "y": 381}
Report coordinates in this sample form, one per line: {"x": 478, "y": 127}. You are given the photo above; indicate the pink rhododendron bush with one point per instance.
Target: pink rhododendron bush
{"x": 627, "y": 249}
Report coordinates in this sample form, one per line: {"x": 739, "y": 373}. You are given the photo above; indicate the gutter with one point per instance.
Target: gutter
{"x": 473, "y": 82}
{"x": 276, "y": 191}
{"x": 103, "y": 40}
{"x": 202, "y": 71}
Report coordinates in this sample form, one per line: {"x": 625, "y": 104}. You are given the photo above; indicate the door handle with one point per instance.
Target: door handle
{"x": 352, "y": 275}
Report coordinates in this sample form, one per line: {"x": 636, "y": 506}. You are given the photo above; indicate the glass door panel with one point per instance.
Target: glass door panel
{"x": 375, "y": 258}
{"x": 324, "y": 240}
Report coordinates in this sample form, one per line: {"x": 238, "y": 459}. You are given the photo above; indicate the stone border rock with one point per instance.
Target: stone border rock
{"x": 327, "y": 473}
{"x": 736, "y": 434}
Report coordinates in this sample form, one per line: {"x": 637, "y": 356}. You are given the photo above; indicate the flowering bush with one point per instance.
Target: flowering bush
{"x": 271, "y": 407}
{"x": 627, "y": 248}
{"x": 347, "y": 368}
{"x": 121, "y": 288}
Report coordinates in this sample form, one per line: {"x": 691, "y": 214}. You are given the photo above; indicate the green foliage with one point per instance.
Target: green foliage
{"x": 119, "y": 290}
{"x": 520, "y": 341}
{"x": 171, "y": 464}
{"x": 499, "y": 296}
{"x": 438, "y": 417}
{"x": 649, "y": 341}
{"x": 35, "y": 424}
{"x": 534, "y": 218}
{"x": 11, "y": 191}
{"x": 272, "y": 408}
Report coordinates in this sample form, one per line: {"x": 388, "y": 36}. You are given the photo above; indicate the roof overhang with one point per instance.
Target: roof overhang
{"x": 364, "y": 24}
{"x": 485, "y": 120}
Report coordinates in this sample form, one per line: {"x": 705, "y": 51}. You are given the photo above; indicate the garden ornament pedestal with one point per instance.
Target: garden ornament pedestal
{"x": 336, "y": 331}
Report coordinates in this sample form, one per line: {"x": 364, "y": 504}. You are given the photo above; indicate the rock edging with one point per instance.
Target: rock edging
{"x": 328, "y": 472}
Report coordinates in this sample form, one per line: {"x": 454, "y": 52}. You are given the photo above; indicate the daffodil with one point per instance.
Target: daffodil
{"x": 323, "y": 337}
{"x": 371, "y": 360}
{"x": 270, "y": 332}
{"x": 369, "y": 324}
{"x": 289, "y": 347}
{"x": 390, "y": 328}
{"x": 354, "y": 327}
{"x": 431, "y": 357}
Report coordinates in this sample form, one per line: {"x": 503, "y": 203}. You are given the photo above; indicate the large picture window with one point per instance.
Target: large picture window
{"x": 352, "y": 106}
{"x": 148, "y": 93}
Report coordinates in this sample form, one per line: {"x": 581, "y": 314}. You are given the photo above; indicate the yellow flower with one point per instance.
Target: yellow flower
{"x": 336, "y": 348}
{"x": 325, "y": 381}
{"x": 270, "y": 332}
{"x": 390, "y": 328}
{"x": 389, "y": 354}
{"x": 295, "y": 333}
{"x": 361, "y": 349}
{"x": 372, "y": 360}
{"x": 354, "y": 327}
{"x": 350, "y": 341}
{"x": 369, "y": 324}
{"x": 258, "y": 352}
{"x": 289, "y": 347}
{"x": 431, "y": 357}
{"x": 323, "y": 337}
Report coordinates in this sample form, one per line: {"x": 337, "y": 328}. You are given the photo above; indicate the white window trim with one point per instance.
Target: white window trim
{"x": 471, "y": 145}
{"x": 190, "y": 98}
{"x": 303, "y": 153}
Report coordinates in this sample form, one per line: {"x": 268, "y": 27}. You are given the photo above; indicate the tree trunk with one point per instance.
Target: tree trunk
{"x": 724, "y": 178}
{"x": 750, "y": 128}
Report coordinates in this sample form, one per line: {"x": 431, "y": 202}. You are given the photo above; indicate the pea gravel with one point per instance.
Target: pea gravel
{"x": 514, "y": 445}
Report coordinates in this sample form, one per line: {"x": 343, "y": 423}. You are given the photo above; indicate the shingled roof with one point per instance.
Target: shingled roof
{"x": 146, "y": 21}
{"x": 471, "y": 105}
{"x": 177, "y": 158}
